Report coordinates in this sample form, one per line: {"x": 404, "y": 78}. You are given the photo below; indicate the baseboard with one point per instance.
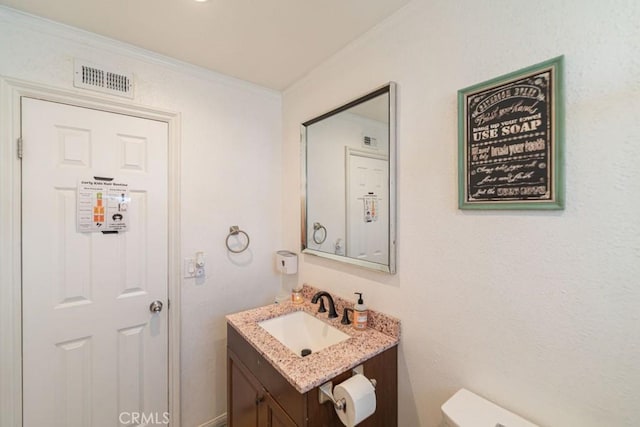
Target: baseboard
{"x": 219, "y": 421}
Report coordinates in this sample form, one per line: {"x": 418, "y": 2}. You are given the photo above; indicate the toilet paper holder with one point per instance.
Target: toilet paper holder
{"x": 326, "y": 390}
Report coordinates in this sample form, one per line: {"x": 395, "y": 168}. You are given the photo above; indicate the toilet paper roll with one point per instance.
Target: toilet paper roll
{"x": 360, "y": 398}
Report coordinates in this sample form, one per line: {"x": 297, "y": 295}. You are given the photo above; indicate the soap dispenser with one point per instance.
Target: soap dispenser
{"x": 359, "y": 314}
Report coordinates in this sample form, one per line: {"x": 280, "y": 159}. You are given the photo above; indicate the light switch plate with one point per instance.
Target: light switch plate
{"x": 199, "y": 259}
{"x": 189, "y": 268}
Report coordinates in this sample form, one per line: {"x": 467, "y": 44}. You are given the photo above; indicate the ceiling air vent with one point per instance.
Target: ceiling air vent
{"x": 98, "y": 78}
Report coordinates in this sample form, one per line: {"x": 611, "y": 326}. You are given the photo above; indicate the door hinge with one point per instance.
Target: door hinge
{"x": 19, "y": 148}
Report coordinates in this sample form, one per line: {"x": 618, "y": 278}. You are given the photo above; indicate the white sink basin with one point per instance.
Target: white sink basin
{"x": 299, "y": 331}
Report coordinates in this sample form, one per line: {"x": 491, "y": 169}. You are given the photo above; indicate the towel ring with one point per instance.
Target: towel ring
{"x": 234, "y": 231}
{"x": 317, "y": 227}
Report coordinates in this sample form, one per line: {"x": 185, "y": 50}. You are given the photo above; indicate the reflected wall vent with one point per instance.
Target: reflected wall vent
{"x": 370, "y": 142}
{"x": 102, "y": 79}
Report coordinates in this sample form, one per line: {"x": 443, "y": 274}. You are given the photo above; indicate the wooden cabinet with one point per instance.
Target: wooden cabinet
{"x": 251, "y": 402}
{"x": 272, "y": 414}
{"x": 258, "y": 396}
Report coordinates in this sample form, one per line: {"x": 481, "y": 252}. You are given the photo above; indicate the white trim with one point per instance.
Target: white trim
{"x": 10, "y": 327}
{"x": 219, "y": 421}
{"x": 11, "y": 91}
{"x": 76, "y": 35}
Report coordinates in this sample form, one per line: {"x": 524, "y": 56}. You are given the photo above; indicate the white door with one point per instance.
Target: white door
{"x": 367, "y": 207}
{"x": 93, "y": 352}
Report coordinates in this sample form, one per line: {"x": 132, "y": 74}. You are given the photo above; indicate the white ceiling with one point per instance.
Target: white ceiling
{"x": 269, "y": 42}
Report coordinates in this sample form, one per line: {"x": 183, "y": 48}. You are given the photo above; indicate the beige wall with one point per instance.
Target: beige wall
{"x": 535, "y": 310}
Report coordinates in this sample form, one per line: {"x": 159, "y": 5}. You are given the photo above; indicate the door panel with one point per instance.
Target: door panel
{"x": 273, "y": 415}
{"x": 367, "y": 230}
{"x": 91, "y": 347}
{"x": 242, "y": 394}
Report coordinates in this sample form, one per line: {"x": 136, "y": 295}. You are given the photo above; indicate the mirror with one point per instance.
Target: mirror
{"x": 348, "y": 182}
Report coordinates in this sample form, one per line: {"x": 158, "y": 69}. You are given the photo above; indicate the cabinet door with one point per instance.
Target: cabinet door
{"x": 272, "y": 414}
{"x": 243, "y": 393}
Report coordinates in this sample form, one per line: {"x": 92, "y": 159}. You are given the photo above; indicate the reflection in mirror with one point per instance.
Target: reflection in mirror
{"x": 348, "y": 209}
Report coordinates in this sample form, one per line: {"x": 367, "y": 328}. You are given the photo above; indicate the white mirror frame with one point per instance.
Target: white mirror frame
{"x": 389, "y": 88}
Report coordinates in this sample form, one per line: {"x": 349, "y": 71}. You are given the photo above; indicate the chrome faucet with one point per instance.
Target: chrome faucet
{"x": 322, "y": 309}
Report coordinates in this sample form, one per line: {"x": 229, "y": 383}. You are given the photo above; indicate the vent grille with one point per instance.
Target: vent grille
{"x": 89, "y": 76}
{"x": 369, "y": 141}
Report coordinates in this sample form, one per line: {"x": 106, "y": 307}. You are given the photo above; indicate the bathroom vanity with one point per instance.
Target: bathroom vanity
{"x": 270, "y": 385}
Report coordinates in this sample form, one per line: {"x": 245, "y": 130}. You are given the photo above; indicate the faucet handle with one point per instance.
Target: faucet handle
{"x": 345, "y": 316}
{"x": 322, "y": 308}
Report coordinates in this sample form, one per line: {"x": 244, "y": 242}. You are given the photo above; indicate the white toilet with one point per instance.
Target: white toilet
{"x": 466, "y": 409}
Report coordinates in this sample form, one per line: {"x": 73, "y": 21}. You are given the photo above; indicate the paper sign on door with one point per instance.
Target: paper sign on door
{"x": 102, "y": 206}
{"x": 370, "y": 207}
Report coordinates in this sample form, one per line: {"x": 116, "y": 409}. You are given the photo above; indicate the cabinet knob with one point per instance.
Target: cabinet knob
{"x": 259, "y": 400}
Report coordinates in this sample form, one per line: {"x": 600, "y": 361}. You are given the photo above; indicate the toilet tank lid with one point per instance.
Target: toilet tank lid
{"x": 466, "y": 409}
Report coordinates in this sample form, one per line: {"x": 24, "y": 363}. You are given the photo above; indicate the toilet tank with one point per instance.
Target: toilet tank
{"x": 466, "y": 409}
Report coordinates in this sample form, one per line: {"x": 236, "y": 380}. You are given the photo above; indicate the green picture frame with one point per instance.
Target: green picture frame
{"x": 511, "y": 140}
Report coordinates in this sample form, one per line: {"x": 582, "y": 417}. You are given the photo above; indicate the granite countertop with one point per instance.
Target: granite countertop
{"x": 306, "y": 373}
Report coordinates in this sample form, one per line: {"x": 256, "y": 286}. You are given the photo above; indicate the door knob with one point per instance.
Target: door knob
{"x": 155, "y": 307}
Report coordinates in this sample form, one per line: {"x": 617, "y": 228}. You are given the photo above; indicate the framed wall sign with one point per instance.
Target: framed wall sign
{"x": 510, "y": 140}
